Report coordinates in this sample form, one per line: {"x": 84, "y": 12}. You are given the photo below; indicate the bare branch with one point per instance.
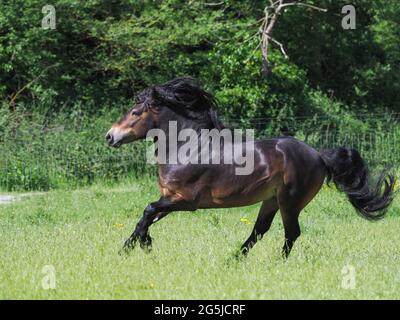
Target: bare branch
{"x": 213, "y": 4}
{"x": 249, "y": 38}
{"x": 281, "y": 46}
{"x": 271, "y": 15}
{"x": 252, "y": 54}
{"x": 304, "y": 5}
{"x": 27, "y": 85}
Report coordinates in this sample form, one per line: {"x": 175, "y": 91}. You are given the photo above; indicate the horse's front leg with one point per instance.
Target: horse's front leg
{"x": 154, "y": 212}
{"x": 141, "y": 232}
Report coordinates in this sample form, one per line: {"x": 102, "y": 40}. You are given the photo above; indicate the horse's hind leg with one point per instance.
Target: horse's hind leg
{"x": 290, "y": 219}
{"x": 263, "y": 223}
{"x": 291, "y": 201}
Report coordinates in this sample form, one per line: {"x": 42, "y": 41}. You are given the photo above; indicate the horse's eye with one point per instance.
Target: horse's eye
{"x": 135, "y": 113}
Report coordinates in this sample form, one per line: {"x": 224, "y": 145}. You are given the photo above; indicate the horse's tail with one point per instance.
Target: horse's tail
{"x": 350, "y": 174}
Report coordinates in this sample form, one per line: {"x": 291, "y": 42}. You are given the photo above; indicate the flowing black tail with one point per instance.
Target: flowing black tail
{"x": 350, "y": 174}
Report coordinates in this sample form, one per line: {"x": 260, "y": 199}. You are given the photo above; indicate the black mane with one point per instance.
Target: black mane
{"x": 185, "y": 97}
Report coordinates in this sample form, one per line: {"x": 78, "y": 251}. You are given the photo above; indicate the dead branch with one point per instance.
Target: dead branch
{"x": 27, "y": 85}
{"x": 272, "y": 13}
{"x": 304, "y": 5}
{"x": 213, "y": 4}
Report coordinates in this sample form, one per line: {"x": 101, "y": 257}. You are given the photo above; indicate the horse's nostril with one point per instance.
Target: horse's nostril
{"x": 109, "y": 138}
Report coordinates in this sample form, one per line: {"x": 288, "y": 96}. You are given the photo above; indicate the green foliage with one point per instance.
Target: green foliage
{"x": 104, "y": 52}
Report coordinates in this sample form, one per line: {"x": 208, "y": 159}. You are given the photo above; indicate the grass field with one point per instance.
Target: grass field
{"x": 78, "y": 234}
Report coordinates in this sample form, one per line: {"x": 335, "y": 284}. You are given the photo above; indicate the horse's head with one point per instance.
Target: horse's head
{"x": 134, "y": 125}
{"x": 178, "y": 100}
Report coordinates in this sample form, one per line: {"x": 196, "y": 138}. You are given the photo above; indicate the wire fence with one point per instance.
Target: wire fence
{"x": 38, "y": 163}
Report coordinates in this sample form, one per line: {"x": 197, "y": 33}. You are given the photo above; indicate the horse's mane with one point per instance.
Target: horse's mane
{"x": 185, "y": 97}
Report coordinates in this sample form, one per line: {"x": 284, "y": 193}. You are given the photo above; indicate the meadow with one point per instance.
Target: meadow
{"x": 79, "y": 199}
{"x": 78, "y": 233}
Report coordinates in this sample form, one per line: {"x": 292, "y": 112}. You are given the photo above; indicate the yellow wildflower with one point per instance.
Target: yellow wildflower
{"x": 119, "y": 226}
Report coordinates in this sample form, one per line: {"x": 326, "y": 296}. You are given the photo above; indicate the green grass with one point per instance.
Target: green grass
{"x": 80, "y": 232}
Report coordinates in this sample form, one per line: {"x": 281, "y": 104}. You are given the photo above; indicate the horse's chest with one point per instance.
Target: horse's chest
{"x": 176, "y": 190}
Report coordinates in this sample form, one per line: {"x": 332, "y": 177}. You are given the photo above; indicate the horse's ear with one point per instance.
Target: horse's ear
{"x": 153, "y": 98}
{"x": 153, "y": 92}
{"x": 150, "y": 97}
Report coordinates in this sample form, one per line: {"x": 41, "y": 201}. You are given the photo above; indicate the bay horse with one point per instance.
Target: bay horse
{"x": 287, "y": 173}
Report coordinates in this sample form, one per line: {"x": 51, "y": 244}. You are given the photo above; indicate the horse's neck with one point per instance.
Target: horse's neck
{"x": 172, "y": 128}
{"x": 175, "y": 134}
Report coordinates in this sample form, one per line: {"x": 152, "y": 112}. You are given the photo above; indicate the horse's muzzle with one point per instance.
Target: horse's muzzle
{"x": 113, "y": 138}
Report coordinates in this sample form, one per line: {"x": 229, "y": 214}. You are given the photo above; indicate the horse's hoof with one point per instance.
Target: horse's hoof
{"x": 129, "y": 245}
{"x": 243, "y": 252}
{"x": 146, "y": 244}
{"x": 121, "y": 252}
{"x": 146, "y": 247}
{"x": 240, "y": 255}
{"x": 125, "y": 251}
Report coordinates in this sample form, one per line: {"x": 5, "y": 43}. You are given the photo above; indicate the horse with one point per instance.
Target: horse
{"x": 287, "y": 173}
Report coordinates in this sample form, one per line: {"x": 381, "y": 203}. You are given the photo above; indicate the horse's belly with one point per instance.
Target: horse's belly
{"x": 237, "y": 199}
